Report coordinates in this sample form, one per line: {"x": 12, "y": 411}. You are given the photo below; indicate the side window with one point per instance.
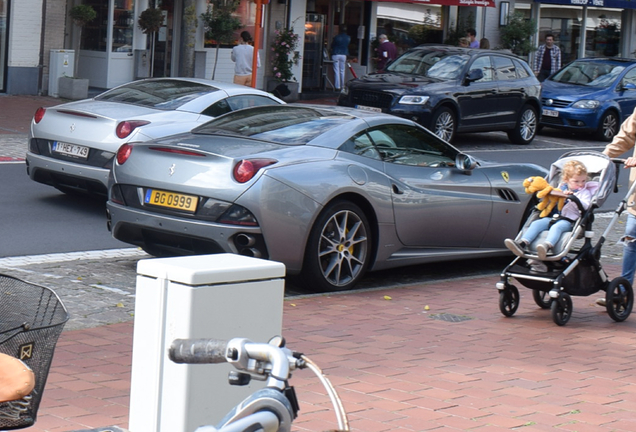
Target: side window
{"x": 219, "y": 108}
{"x": 630, "y": 77}
{"x": 522, "y": 72}
{"x": 361, "y": 145}
{"x": 483, "y": 63}
{"x": 409, "y": 145}
{"x": 249, "y": 101}
{"x": 504, "y": 68}
{"x": 234, "y": 103}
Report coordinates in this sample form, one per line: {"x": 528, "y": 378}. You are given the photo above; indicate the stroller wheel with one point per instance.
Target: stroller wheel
{"x": 561, "y": 309}
{"x": 542, "y": 299}
{"x": 619, "y": 299}
{"x": 509, "y": 300}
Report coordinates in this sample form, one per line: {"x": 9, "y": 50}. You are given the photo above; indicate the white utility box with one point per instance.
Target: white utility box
{"x": 208, "y": 296}
{"x": 61, "y": 63}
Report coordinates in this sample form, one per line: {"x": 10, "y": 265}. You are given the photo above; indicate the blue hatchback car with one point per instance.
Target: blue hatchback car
{"x": 590, "y": 95}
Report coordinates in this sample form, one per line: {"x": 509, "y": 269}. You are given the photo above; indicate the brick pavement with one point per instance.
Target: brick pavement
{"x": 398, "y": 364}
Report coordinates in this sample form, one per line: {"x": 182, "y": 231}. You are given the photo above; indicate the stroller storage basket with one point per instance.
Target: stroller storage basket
{"x": 31, "y": 320}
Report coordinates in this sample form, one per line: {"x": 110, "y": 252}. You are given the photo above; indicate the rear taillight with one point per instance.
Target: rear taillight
{"x": 39, "y": 113}
{"x": 124, "y": 153}
{"x": 246, "y": 169}
{"x": 125, "y": 128}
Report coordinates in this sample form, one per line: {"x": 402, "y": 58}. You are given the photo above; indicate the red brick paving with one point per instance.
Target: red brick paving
{"x": 397, "y": 369}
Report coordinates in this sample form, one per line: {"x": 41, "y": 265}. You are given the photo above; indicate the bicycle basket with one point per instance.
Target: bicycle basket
{"x": 31, "y": 320}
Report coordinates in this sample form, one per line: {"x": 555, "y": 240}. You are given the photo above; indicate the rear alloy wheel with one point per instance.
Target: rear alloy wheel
{"x": 607, "y": 127}
{"x": 526, "y": 129}
{"x": 443, "y": 124}
{"x": 339, "y": 248}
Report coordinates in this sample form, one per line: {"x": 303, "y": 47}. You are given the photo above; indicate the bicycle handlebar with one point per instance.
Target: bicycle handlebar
{"x": 198, "y": 351}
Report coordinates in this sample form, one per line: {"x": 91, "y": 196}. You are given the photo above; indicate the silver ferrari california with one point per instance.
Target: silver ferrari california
{"x": 331, "y": 192}
{"x": 72, "y": 146}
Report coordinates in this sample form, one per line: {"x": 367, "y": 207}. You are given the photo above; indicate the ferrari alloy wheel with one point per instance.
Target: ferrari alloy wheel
{"x": 339, "y": 248}
{"x": 619, "y": 299}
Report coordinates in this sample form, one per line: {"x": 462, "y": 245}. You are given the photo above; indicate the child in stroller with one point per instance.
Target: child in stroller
{"x": 568, "y": 270}
{"x": 573, "y": 182}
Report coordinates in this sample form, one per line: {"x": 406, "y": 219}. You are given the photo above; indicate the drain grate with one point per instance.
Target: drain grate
{"x": 450, "y": 317}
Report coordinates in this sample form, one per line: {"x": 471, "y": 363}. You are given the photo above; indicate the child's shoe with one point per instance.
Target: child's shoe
{"x": 515, "y": 247}
{"x": 543, "y": 250}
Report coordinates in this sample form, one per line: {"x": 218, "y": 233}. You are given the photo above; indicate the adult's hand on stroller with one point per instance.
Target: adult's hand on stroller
{"x": 16, "y": 378}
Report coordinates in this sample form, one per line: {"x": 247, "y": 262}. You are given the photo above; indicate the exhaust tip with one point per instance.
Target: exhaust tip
{"x": 251, "y": 252}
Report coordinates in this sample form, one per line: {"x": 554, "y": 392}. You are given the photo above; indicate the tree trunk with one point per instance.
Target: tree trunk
{"x": 188, "y": 34}
{"x": 216, "y": 59}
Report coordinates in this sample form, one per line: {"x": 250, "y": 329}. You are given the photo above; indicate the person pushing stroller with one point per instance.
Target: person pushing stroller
{"x": 573, "y": 183}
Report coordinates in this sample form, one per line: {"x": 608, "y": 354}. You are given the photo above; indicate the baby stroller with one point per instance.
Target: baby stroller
{"x": 574, "y": 268}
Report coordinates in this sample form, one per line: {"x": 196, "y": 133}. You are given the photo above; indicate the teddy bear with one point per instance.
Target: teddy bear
{"x": 542, "y": 188}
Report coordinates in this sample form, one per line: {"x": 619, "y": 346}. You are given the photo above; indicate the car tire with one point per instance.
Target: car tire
{"x": 607, "y": 127}
{"x": 444, "y": 124}
{"x": 338, "y": 250}
{"x": 526, "y": 128}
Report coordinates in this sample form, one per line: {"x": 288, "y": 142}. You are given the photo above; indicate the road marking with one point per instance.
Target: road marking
{"x": 26, "y": 260}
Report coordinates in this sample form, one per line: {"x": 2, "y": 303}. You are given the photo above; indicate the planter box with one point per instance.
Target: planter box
{"x": 288, "y": 91}
{"x": 72, "y": 88}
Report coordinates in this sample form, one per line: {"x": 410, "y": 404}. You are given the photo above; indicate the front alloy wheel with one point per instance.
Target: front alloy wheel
{"x": 444, "y": 124}
{"x": 339, "y": 248}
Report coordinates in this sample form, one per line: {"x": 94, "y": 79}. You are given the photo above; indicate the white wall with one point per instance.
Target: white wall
{"x": 24, "y": 33}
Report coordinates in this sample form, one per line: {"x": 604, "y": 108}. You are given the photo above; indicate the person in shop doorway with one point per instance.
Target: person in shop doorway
{"x": 548, "y": 59}
{"x": 339, "y": 53}
{"x": 242, "y": 56}
{"x": 471, "y": 34}
{"x": 484, "y": 43}
{"x": 386, "y": 52}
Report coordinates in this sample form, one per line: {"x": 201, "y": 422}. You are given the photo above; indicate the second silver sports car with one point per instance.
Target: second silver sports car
{"x": 72, "y": 146}
{"x": 329, "y": 191}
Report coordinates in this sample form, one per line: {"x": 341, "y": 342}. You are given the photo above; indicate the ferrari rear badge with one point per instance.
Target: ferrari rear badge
{"x": 172, "y": 170}
{"x": 72, "y": 127}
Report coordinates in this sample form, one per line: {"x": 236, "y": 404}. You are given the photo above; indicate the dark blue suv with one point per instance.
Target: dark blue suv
{"x": 590, "y": 95}
{"x": 451, "y": 90}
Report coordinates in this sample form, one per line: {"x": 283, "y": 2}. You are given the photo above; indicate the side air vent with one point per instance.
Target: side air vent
{"x": 508, "y": 195}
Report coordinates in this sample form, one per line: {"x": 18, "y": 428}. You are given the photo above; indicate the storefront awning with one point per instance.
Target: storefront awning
{"x": 484, "y": 3}
{"x": 614, "y": 4}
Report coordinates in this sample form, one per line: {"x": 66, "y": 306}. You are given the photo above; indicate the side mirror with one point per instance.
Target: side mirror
{"x": 465, "y": 162}
{"x": 628, "y": 86}
{"x": 474, "y": 75}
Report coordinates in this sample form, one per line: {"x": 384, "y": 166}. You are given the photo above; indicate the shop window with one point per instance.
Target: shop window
{"x": 246, "y": 13}
{"x": 95, "y": 34}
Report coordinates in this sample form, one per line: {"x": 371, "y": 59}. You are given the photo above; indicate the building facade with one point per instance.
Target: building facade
{"x": 113, "y": 50}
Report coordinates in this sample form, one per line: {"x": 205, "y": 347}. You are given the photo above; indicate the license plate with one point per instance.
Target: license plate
{"x": 368, "y": 108}
{"x": 550, "y": 113}
{"x": 171, "y": 200}
{"x": 70, "y": 149}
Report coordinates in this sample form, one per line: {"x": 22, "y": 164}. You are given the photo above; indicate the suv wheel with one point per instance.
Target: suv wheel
{"x": 443, "y": 124}
{"x": 526, "y": 128}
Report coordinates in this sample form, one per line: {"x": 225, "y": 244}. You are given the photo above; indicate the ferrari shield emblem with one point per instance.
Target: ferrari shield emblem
{"x": 505, "y": 176}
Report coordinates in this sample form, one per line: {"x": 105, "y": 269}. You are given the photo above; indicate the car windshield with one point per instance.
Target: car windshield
{"x": 160, "y": 94}
{"x": 279, "y": 124}
{"x": 591, "y": 74}
{"x": 430, "y": 63}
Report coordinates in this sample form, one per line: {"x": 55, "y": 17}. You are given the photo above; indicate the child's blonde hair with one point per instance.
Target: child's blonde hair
{"x": 572, "y": 168}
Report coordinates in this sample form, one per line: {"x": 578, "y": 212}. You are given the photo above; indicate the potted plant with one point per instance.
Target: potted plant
{"x": 220, "y": 24}
{"x": 284, "y": 58}
{"x": 149, "y": 23}
{"x": 73, "y": 87}
{"x": 517, "y": 35}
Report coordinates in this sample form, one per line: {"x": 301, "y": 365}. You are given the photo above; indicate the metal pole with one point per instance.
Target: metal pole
{"x": 257, "y": 40}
